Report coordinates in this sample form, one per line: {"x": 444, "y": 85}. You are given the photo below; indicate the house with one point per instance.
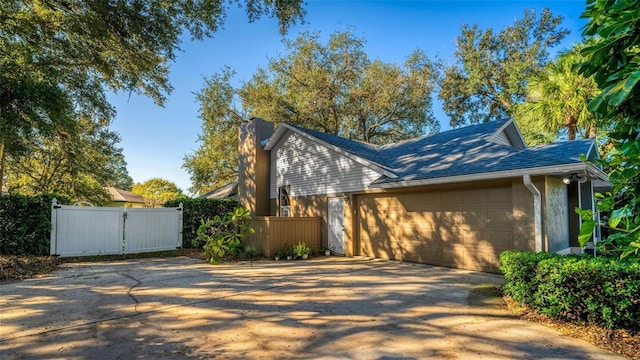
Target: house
{"x": 123, "y": 198}
{"x": 227, "y": 191}
{"x": 456, "y": 199}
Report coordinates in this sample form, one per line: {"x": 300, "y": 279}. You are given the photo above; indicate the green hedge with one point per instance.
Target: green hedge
{"x": 600, "y": 290}
{"x": 198, "y": 209}
{"x": 520, "y": 269}
{"x": 25, "y": 224}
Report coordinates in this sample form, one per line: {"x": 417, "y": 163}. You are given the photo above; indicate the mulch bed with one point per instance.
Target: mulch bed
{"x": 13, "y": 267}
{"x": 19, "y": 267}
{"x": 619, "y": 341}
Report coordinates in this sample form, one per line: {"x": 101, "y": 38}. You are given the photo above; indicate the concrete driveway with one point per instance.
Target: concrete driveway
{"x": 326, "y": 308}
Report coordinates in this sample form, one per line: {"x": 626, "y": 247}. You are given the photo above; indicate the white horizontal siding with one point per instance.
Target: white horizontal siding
{"x": 502, "y": 138}
{"x": 311, "y": 169}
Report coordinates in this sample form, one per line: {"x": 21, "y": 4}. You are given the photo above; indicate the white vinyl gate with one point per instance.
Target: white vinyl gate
{"x": 81, "y": 230}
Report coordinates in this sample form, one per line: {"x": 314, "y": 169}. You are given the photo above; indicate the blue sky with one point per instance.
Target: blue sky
{"x": 155, "y": 139}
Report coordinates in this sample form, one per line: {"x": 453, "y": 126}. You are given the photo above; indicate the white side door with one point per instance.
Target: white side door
{"x": 336, "y": 225}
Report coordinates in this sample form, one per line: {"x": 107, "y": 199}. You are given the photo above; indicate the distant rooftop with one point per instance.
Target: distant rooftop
{"x": 119, "y": 195}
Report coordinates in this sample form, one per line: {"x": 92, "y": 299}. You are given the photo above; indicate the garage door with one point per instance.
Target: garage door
{"x": 464, "y": 229}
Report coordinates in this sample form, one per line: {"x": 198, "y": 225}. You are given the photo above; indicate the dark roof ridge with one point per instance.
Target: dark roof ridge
{"x": 307, "y": 130}
{"x": 494, "y": 123}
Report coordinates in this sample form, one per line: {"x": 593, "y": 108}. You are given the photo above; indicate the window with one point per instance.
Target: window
{"x": 283, "y": 199}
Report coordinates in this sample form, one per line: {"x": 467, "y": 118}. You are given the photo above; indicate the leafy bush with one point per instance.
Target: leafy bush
{"x": 623, "y": 226}
{"x": 195, "y": 210}
{"x": 603, "y": 291}
{"x": 222, "y": 235}
{"x": 300, "y": 250}
{"x": 250, "y": 252}
{"x": 519, "y": 269}
{"x": 25, "y": 224}
{"x": 289, "y": 251}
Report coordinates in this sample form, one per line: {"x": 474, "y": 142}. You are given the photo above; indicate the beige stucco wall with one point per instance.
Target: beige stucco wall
{"x": 253, "y": 166}
{"x": 523, "y": 218}
{"x": 556, "y": 201}
{"x": 556, "y": 215}
{"x": 125, "y": 204}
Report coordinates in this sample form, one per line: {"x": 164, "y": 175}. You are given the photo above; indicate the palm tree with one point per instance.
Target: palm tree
{"x": 557, "y": 101}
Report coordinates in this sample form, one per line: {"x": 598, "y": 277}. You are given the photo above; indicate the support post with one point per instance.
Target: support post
{"x": 53, "y": 237}
{"x": 537, "y": 211}
{"x": 180, "y": 222}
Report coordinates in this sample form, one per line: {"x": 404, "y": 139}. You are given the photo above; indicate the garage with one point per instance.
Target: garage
{"x": 457, "y": 198}
{"x": 460, "y": 228}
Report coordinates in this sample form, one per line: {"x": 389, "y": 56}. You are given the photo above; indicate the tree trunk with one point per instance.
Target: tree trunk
{"x": 3, "y": 156}
{"x": 570, "y": 123}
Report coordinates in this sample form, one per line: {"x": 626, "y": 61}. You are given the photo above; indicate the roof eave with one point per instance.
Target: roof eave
{"x": 280, "y": 131}
{"x": 556, "y": 170}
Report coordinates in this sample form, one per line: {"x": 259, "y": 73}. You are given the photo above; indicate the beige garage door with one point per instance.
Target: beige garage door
{"x": 464, "y": 229}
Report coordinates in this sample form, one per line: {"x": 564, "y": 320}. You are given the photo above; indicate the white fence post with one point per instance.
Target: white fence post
{"x": 180, "y": 222}
{"x": 53, "y": 237}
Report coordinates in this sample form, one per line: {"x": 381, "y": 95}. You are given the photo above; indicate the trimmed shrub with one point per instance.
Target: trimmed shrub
{"x": 603, "y": 291}
{"x": 196, "y": 210}
{"x": 25, "y": 224}
{"x": 519, "y": 269}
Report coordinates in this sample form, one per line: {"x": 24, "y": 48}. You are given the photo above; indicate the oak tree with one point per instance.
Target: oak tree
{"x": 76, "y": 163}
{"x": 157, "y": 191}
{"x": 58, "y": 58}
{"x": 330, "y": 86}
{"x": 490, "y": 75}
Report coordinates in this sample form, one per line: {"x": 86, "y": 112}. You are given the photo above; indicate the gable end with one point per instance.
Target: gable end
{"x": 310, "y": 168}
{"x": 509, "y": 135}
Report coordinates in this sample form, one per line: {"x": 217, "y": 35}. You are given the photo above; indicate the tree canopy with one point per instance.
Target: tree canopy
{"x": 332, "y": 87}
{"x": 58, "y": 58}
{"x": 490, "y": 75}
{"x": 77, "y": 164}
{"x": 157, "y": 191}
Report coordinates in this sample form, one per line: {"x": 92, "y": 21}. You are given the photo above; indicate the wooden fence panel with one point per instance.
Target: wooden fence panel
{"x": 274, "y": 234}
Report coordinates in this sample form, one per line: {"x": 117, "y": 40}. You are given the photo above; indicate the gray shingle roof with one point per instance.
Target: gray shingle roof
{"x": 119, "y": 195}
{"x": 224, "y": 191}
{"x": 458, "y": 152}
